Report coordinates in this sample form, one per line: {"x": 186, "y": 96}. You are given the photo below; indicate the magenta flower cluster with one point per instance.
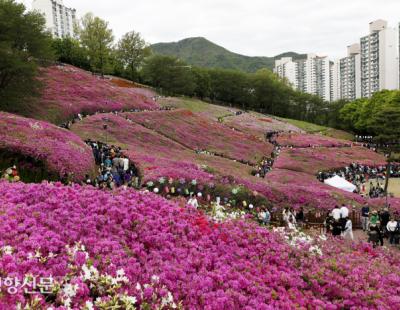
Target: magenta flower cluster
{"x": 60, "y": 150}
{"x": 70, "y": 91}
{"x": 234, "y": 265}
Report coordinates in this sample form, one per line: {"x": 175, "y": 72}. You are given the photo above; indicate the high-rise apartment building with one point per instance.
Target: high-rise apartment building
{"x": 60, "y": 19}
{"x": 311, "y": 75}
{"x": 318, "y": 76}
{"x": 287, "y": 68}
{"x": 335, "y": 85}
{"x": 350, "y": 74}
{"x": 379, "y": 59}
{"x": 370, "y": 66}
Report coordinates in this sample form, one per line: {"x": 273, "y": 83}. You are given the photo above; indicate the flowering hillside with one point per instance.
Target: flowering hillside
{"x": 69, "y": 91}
{"x": 131, "y": 249}
{"x": 58, "y": 149}
{"x": 313, "y": 160}
{"x": 292, "y": 181}
{"x": 155, "y": 155}
{"x": 199, "y": 133}
{"x": 257, "y": 124}
{"x": 208, "y": 110}
{"x": 310, "y": 140}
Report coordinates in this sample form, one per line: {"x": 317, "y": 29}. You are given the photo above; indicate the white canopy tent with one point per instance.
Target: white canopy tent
{"x": 341, "y": 183}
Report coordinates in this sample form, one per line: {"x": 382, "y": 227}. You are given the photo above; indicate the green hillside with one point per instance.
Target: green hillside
{"x": 201, "y": 52}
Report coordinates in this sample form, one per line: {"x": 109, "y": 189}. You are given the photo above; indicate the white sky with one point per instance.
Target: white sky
{"x": 249, "y": 27}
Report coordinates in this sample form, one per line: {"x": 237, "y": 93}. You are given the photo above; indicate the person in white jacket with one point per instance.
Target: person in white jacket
{"x": 193, "y": 202}
{"x": 348, "y": 230}
{"x": 391, "y": 228}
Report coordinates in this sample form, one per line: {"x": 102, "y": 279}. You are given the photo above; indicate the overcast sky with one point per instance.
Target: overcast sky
{"x": 250, "y": 27}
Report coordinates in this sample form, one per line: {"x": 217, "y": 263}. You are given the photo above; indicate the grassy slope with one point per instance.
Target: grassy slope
{"x": 314, "y": 128}
{"x": 197, "y": 106}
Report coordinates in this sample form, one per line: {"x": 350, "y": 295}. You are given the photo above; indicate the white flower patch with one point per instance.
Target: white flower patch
{"x": 6, "y": 250}
{"x": 155, "y": 279}
{"x": 130, "y": 300}
{"x": 298, "y": 239}
{"x": 78, "y": 247}
{"x": 316, "y": 250}
{"x": 36, "y": 126}
{"x": 89, "y": 305}
{"x": 89, "y": 273}
{"x": 168, "y": 301}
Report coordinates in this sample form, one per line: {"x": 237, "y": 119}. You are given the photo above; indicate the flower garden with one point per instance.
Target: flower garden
{"x": 313, "y": 160}
{"x": 57, "y": 150}
{"x": 136, "y": 250}
{"x": 310, "y": 140}
{"x": 257, "y": 124}
{"x": 200, "y": 133}
{"x": 78, "y": 247}
{"x": 70, "y": 91}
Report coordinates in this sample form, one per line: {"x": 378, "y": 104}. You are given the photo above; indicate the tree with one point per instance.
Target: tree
{"x": 350, "y": 115}
{"x": 131, "y": 51}
{"x": 69, "y": 50}
{"x": 385, "y": 125}
{"x": 230, "y": 87}
{"x": 379, "y": 117}
{"x": 203, "y": 83}
{"x": 271, "y": 95}
{"x": 97, "y": 38}
{"x": 169, "y": 74}
{"x": 24, "y": 44}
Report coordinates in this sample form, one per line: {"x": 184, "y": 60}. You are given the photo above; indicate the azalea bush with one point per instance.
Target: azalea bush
{"x": 69, "y": 91}
{"x": 58, "y": 150}
{"x": 131, "y": 249}
{"x": 199, "y": 133}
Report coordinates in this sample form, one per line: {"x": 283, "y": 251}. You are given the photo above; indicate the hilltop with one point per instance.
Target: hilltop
{"x": 201, "y": 52}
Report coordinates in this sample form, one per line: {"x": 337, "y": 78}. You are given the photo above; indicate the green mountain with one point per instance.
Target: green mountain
{"x": 203, "y": 53}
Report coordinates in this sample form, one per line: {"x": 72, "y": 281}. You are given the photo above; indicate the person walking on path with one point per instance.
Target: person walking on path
{"x": 365, "y": 217}
{"x": 348, "y": 230}
{"x": 391, "y": 228}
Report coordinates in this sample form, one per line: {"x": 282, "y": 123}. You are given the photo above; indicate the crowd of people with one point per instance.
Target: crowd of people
{"x": 266, "y": 164}
{"x": 367, "y": 142}
{"x": 338, "y": 223}
{"x": 114, "y": 170}
{"x": 360, "y": 175}
{"x": 11, "y": 174}
{"x": 380, "y": 225}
